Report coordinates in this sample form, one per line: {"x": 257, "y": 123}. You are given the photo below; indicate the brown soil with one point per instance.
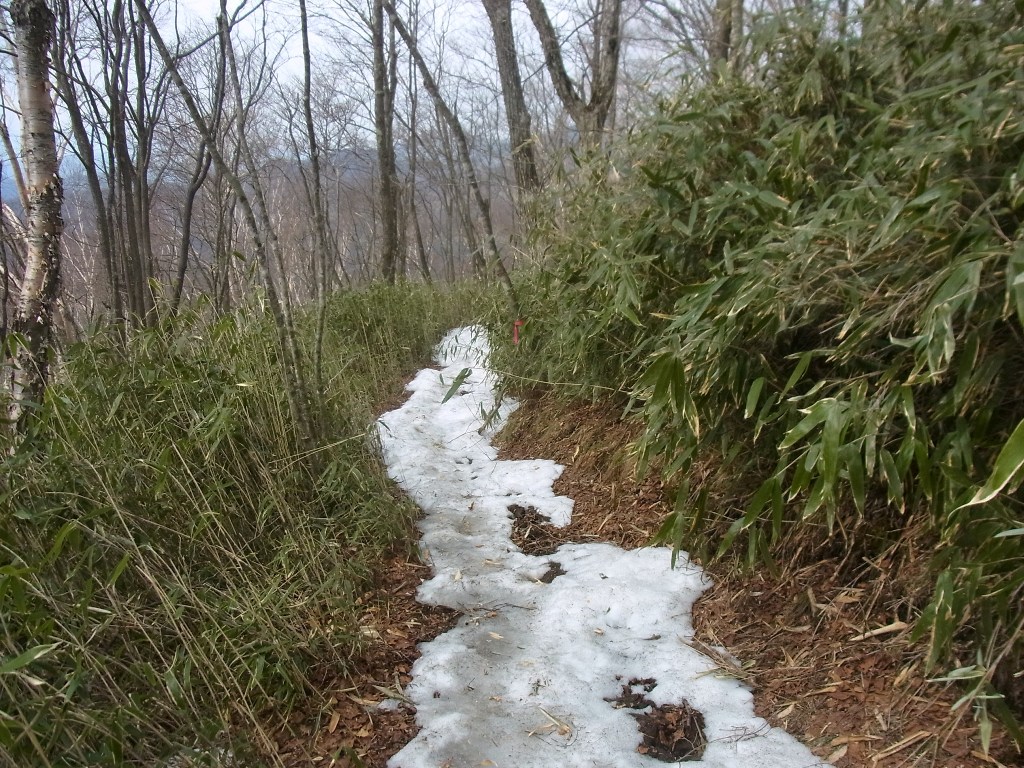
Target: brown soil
{"x": 591, "y": 442}
{"x": 351, "y": 731}
{"x": 826, "y": 657}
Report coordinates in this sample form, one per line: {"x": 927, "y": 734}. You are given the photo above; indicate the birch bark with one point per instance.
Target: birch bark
{"x": 28, "y": 351}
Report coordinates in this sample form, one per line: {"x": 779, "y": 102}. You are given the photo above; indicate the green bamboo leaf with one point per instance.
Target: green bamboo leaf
{"x": 883, "y": 229}
{"x": 984, "y": 728}
{"x": 58, "y": 543}
{"x": 628, "y": 312}
{"x": 119, "y": 569}
{"x": 959, "y": 675}
{"x": 730, "y": 536}
{"x": 1002, "y": 711}
{"x": 694, "y": 210}
{"x": 459, "y": 381}
{"x": 753, "y": 396}
{"x": 778, "y": 507}
{"x": 798, "y": 372}
{"x": 816, "y": 414}
{"x": 925, "y": 468}
{"x": 892, "y": 478}
{"x": 800, "y": 481}
{"x": 922, "y": 179}
{"x": 752, "y": 547}
{"x": 772, "y": 200}
{"x": 1008, "y": 464}
{"x": 173, "y": 686}
{"x": 666, "y": 532}
{"x": 814, "y": 499}
{"x": 757, "y": 503}
{"x": 943, "y": 615}
{"x": 796, "y": 150}
{"x": 831, "y": 436}
{"x": 870, "y": 449}
{"x": 1015, "y": 278}
{"x": 687, "y": 117}
{"x": 855, "y": 473}
{"x": 926, "y": 198}
{"x": 1011, "y": 532}
{"x": 730, "y": 266}
{"x": 26, "y": 658}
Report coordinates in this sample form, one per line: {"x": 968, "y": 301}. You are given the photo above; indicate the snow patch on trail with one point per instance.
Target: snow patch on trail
{"x": 530, "y": 675}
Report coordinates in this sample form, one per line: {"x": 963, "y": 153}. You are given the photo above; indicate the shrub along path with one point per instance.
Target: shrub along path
{"x": 847, "y": 680}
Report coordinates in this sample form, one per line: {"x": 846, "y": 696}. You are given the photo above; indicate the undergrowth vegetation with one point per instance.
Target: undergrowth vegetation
{"x": 814, "y": 272}
{"x": 174, "y": 573}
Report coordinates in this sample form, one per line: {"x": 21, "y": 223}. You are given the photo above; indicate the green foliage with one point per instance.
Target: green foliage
{"x": 815, "y": 273}
{"x": 174, "y": 575}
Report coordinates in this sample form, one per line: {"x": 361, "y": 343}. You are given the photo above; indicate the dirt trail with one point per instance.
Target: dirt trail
{"x": 582, "y": 658}
{"x": 858, "y": 703}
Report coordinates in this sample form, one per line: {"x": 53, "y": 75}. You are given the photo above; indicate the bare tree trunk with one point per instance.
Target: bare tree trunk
{"x": 269, "y": 250}
{"x": 203, "y": 162}
{"x": 132, "y": 172}
{"x": 199, "y": 174}
{"x": 421, "y": 251}
{"x": 460, "y": 204}
{"x": 224, "y": 242}
{"x": 718, "y": 48}
{"x": 462, "y": 145}
{"x": 384, "y": 83}
{"x": 589, "y": 114}
{"x": 15, "y": 163}
{"x": 146, "y": 116}
{"x": 520, "y": 133}
{"x": 736, "y": 35}
{"x": 87, "y": 156}
{"x": 33, "y": 321}
{"x": 112, "y": 123}
{"x": 844, "y": 18}
{"x": 314, "y": 191}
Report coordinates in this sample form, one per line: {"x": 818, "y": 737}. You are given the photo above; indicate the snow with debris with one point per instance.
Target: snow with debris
{"x": 530, "y": 675}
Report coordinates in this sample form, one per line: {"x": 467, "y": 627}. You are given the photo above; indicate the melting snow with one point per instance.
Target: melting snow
{"x": 529, "y": 676}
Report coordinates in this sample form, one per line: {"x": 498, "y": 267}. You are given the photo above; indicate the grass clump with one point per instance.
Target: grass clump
{"x": 174, "y": 574}
{"x": 814, "y": 273}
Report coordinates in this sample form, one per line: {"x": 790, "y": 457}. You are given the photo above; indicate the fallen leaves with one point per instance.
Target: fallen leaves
{"x": 851, "y": 684}
{"x": 352, "y": 730}
{"x": 672, "y": 733}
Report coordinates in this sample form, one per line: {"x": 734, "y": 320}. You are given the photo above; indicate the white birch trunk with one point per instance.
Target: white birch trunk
{"x": 27, "y": 352}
